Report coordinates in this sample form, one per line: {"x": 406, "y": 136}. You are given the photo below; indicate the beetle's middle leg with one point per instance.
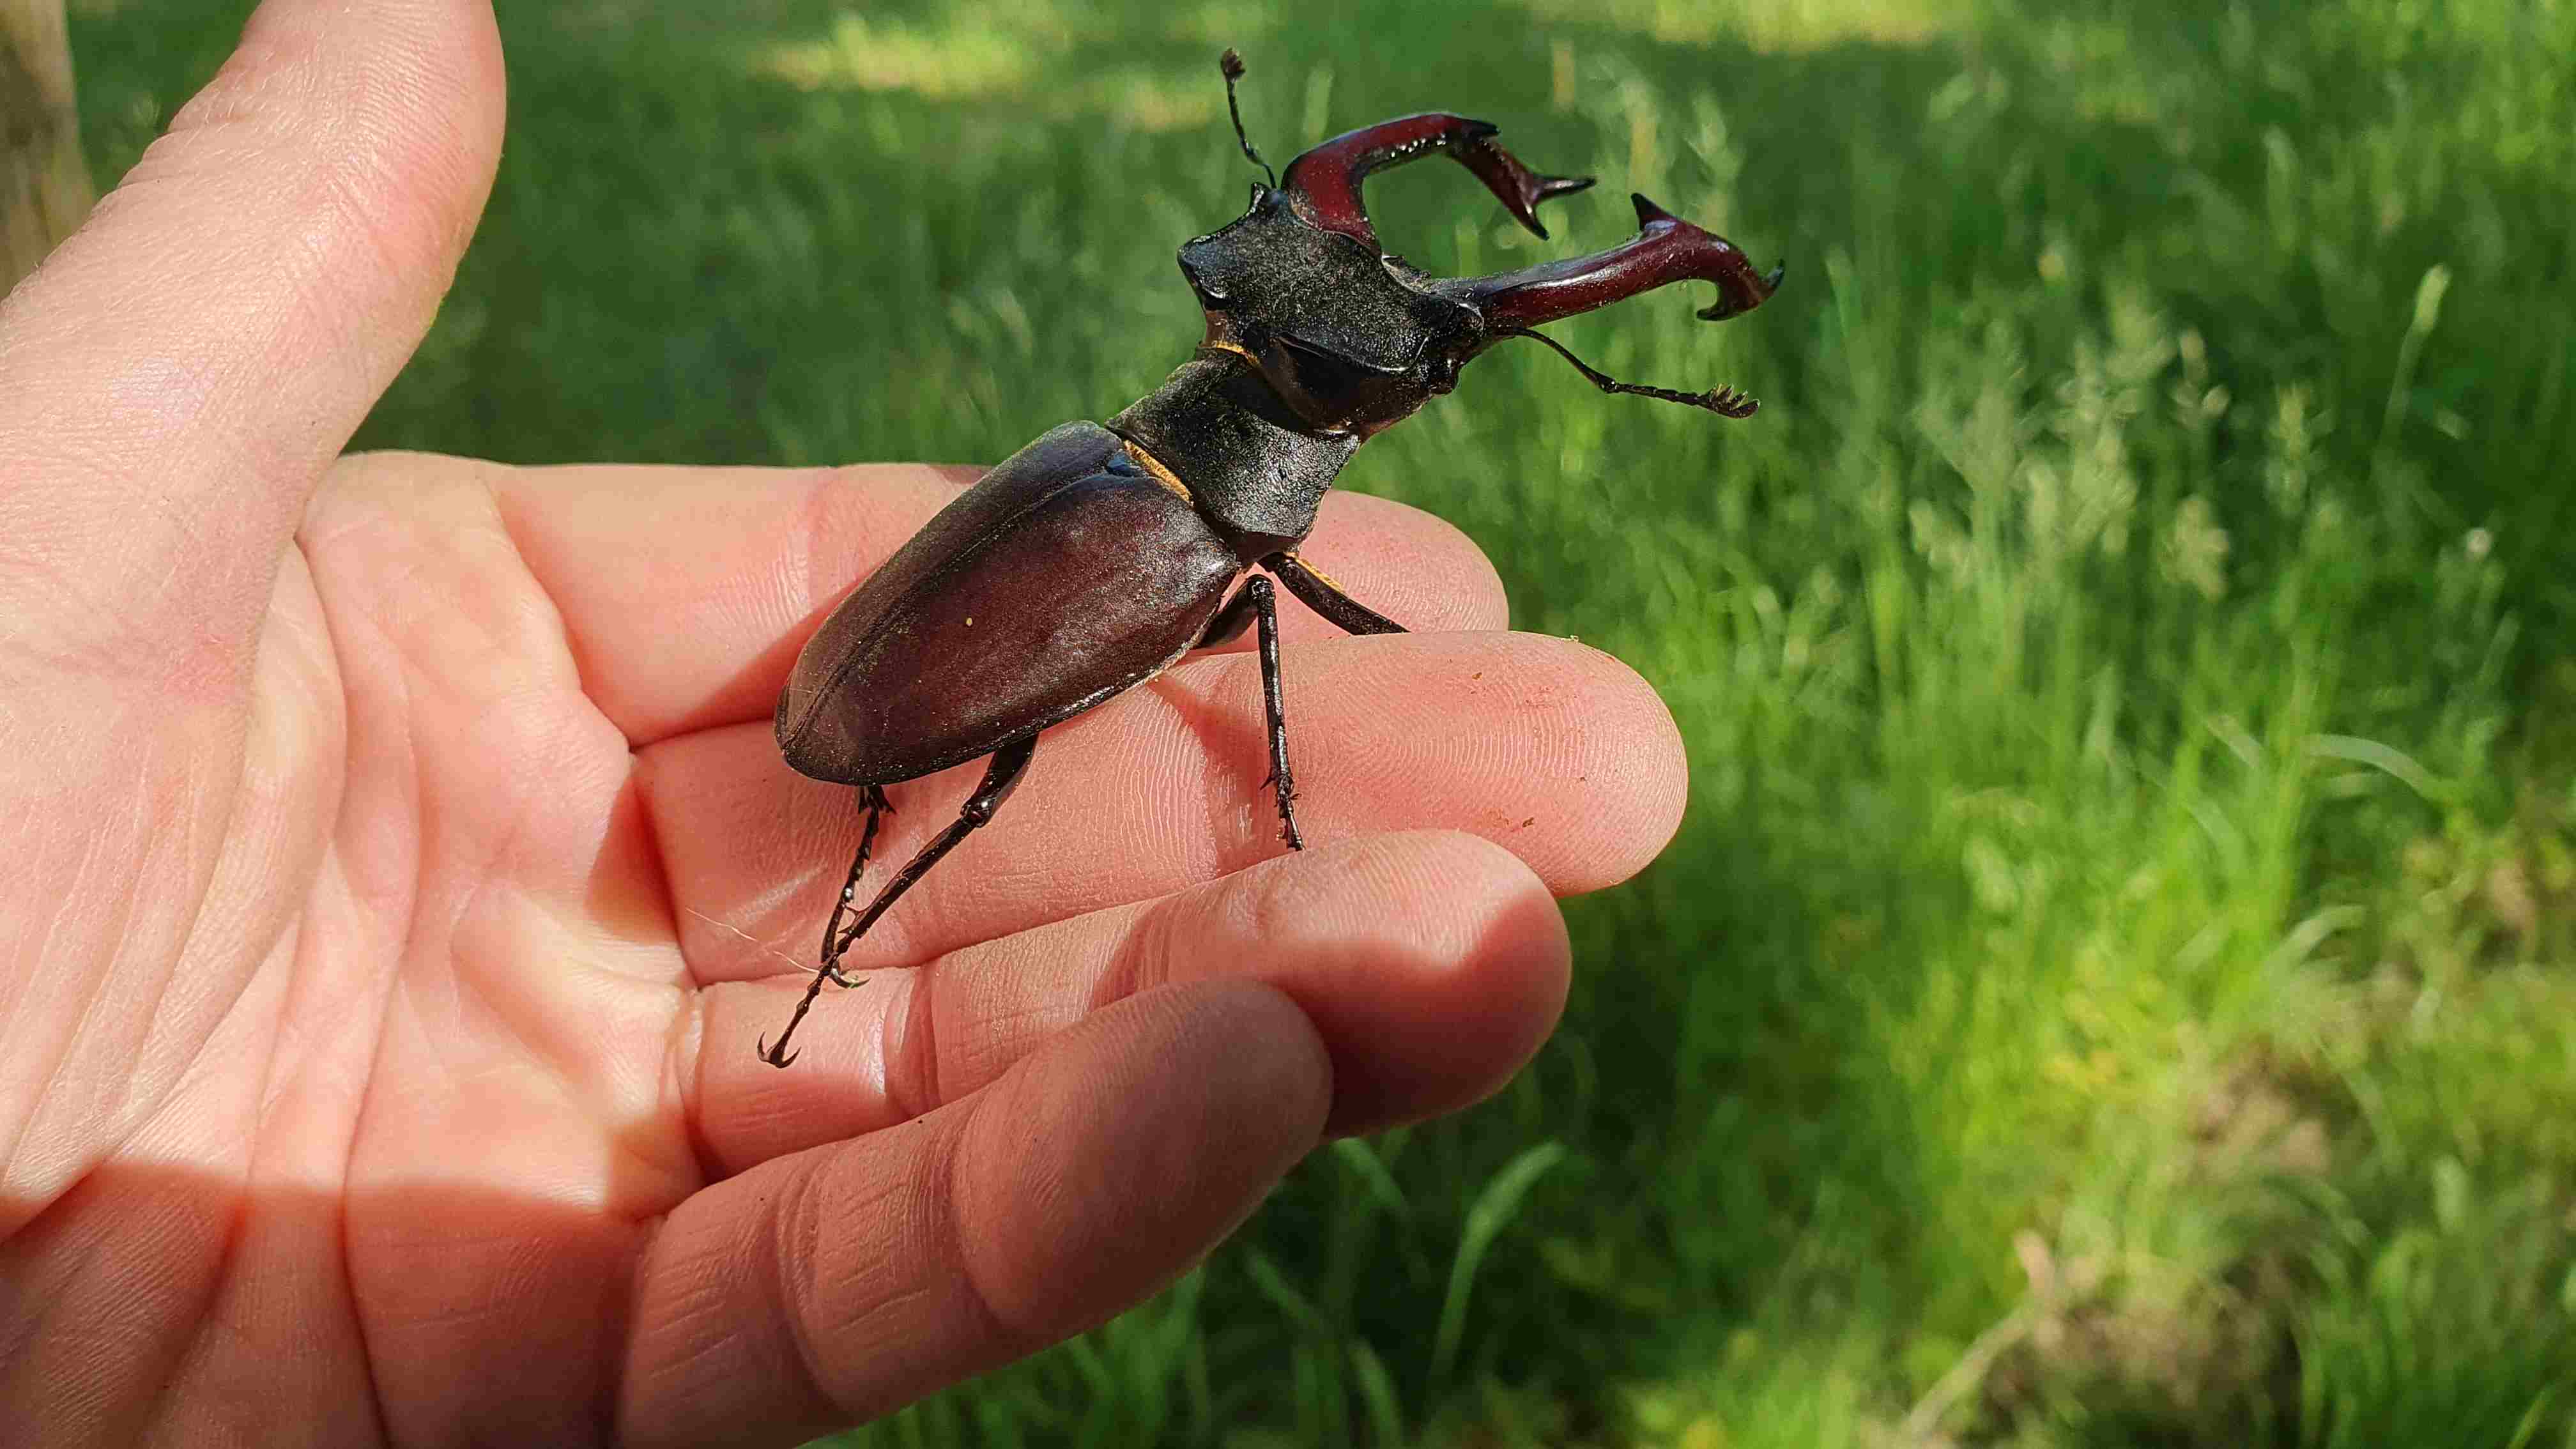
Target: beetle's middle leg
{"x": 1265, "y": 608}
{"x": 1009, "y": 763}
{"x": 1257, "y": 601}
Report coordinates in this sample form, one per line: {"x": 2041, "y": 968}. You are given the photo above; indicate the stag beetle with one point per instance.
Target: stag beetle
{"x": 1096, "y": 557}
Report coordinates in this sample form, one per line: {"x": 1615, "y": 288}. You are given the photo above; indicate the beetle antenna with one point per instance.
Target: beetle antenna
{"x": 1231, "y": 65}
{"x": 1726, "y": 402}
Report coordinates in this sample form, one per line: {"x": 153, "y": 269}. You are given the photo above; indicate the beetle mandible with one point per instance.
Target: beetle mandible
{"x": 1096, "y": 557}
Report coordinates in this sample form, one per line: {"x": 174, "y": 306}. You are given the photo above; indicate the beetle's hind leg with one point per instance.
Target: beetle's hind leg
{"x": 1002, "y": 777}
{"x": 878, "y": 807}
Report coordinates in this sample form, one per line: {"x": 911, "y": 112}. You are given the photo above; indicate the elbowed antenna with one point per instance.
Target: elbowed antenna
{"x": 1726, "y": 402}
{"x": 1230, "y": 65}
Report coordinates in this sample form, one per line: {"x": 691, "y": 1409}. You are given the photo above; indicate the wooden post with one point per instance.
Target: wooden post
{"x": 44, "y": 184}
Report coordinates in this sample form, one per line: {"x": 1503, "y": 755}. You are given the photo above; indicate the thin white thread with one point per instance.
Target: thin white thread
{"x": 765, "y": 947}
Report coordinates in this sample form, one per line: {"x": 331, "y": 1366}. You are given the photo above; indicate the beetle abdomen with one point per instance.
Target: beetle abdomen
{"x": 1063, "y": 577}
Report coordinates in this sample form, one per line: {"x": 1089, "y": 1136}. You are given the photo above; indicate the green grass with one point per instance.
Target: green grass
{"x": 2114, "y": 983}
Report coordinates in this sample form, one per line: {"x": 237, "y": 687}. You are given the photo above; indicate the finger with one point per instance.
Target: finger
{"x": 1554, "y": 751}
{"x": 832, "y": 1286}
{"x": 178, "y": 374}
{"x": 687, "y": 592}
{"x": 1432, "y": 965}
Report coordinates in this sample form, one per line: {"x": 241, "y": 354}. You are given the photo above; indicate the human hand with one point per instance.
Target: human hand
{"x": 399, "y": 869}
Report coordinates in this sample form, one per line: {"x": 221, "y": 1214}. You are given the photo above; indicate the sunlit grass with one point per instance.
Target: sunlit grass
{"x": 966, "y": 57}
{"x": 981, "y": 57}
{"x": 1767, "y": 26}
{"x": 2114, "y": 983}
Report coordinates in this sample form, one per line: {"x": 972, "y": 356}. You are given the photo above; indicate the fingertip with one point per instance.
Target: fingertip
{"x": 371, "y": 137}
{"x": 1631, "y": 759}
{"x": 462, "y": 89}
{"x": 1433, "y": 964}
{"x": 183, "y": 369}
{"x": 1553, "y": 749}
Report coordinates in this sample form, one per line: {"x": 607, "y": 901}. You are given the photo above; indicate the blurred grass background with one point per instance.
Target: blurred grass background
{"x": 2114, "y": 984}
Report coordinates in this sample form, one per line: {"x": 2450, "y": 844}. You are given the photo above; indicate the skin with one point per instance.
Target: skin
{"x": 399, "y": 869}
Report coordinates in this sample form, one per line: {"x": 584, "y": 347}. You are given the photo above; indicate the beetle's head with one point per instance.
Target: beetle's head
{"x": 1353, "y": 338}
{"x": 1350, "y": 339}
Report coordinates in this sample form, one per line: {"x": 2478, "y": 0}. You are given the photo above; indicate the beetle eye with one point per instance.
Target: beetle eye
{"x": 1332, "y": 390}
{"x": 1323, "y": 375}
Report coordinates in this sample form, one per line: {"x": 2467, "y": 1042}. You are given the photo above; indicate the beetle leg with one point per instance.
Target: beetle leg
{"x": 1229, "y": 621}
{"x": 1323, "y": 184}
{"x": 878, "y": 808}
{"x": 1266, "y": 610}
{"x": 1326, "y": 597}
{"x": 1257, "y": 601}
{"x": 1002, "y": 777}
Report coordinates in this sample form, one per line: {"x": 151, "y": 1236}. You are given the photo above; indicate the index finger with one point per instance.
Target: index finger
{"x": 686, "y": 592}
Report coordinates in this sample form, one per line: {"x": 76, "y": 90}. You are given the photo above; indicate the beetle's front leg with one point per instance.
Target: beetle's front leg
{"x": 878, "y": 807}
{"x": 1325, "y": 597}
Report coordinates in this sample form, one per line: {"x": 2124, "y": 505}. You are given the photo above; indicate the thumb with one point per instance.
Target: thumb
{"x": 174, "y": 379}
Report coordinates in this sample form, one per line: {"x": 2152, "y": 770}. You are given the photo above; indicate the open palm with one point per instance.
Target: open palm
{"x": 400, "y": 869}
